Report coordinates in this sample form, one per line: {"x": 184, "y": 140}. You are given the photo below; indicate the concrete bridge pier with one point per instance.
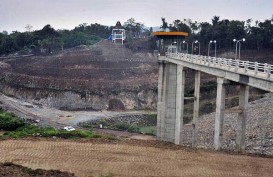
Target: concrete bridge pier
{"x": 195, "y": 106}
{"x": 220, "y": 108}
{"x": 242, "y": 114}
{"x": 179, "y": 107}
{"x": 171, "y": 83}
{"x": 241, "y": 123}
{"x": 162, "y": 76}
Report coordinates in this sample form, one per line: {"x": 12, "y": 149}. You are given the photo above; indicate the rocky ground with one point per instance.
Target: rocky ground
{"x": 259, "y": 134}
{"x": 148, "y": 119}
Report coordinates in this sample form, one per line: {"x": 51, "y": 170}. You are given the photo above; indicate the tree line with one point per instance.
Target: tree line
{"x": 50, "y": 39}
{"x": 258, "y": 34}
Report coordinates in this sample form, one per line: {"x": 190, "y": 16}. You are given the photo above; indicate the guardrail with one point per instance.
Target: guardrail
{"x": 227, "y": 64}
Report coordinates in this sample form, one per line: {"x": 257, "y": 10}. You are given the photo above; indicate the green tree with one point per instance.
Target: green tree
{"x": 164, "y": 24}
{"x": 215, "y": 20}
{"x": 133, "y": 28}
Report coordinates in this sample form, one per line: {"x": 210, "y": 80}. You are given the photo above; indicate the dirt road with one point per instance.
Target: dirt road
{"x": 130, "y": 158}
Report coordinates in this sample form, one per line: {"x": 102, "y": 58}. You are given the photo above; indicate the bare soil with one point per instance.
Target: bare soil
{"x": 103, "y": 66}
{"x": 11, "y": 170}
{"x": 130, "y": 158}
{"x": 124, "y": 134}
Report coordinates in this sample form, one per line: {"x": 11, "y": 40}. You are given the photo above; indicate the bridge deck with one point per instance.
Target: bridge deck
{"x": 254, "y": 74}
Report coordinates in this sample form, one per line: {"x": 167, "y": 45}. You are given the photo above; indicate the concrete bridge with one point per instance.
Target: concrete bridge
{"x": 171, "y": 84}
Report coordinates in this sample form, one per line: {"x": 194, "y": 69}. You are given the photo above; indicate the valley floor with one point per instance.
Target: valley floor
{"x": 54, "y": 117}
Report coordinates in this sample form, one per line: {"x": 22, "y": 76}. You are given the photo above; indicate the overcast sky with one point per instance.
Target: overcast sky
{"x": 66, "y": 14}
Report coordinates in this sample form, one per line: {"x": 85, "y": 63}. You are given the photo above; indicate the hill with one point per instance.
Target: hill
{"x": 88, "y": 76}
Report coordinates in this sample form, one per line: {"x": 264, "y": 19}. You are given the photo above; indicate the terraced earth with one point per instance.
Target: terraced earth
{"x": 130, "y": 158}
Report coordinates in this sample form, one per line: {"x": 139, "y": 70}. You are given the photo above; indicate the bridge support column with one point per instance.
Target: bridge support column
{"x": 162, "y": 74}
{"x": 241, "y": 124}
{"x": 196, "y": 106}
{"x": 169, "y": 117}
{"x": 159, "y": 98}
{"x": 220, "y": 107}
{"x": 179, "y": 107}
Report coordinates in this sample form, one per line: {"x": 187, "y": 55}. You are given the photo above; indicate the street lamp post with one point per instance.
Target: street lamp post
{"x": 192, "y": 48}
{"x": 214, "y": 47}
{"x": 198, "y": 46}
{"x": 184, "y": 42}
{"x": 172, "y": 46}
{"x": 239, "y": 47}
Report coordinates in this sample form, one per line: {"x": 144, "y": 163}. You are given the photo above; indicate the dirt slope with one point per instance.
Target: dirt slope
{"x": 84, "y": 77}
{"x": 130, "y": 158}
{"x": 84, "y": 68}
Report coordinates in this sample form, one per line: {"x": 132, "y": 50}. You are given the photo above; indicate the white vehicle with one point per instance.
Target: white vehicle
{"x": 69, "y": 128}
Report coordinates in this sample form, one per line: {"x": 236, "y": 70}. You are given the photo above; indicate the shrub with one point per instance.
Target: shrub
{"x": 121, "y": 126}
{"x": 9, "y": 121}
{"x": 133, "y": 128}
{"x": 103, "y": 122}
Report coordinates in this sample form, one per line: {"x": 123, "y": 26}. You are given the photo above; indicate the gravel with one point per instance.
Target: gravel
{"x": 138, "y": 119}
{"x": 259, "y": 129}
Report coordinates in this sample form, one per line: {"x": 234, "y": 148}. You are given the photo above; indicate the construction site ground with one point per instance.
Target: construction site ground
{"x": 130, "y": 158}
{"x": 55, "y": 117}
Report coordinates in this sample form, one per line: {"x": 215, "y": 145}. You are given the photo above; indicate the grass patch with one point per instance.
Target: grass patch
{"x": 15, "y": 128}
{"x": 9, "y": 121}
{"x": 149, "y": 130}
{"x": 36, "y": 131}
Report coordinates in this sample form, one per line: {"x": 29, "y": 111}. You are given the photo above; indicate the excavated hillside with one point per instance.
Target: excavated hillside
{"x": 102, "y": 76}
{"x": 84, "y": 77}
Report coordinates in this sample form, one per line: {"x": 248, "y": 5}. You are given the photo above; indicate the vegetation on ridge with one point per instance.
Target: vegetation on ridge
{"x": 258, "y": 35}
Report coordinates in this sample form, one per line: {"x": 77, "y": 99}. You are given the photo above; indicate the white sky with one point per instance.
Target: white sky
{"x": 66, "y": 14}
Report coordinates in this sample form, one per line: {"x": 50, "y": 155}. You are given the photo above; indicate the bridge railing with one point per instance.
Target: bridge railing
{"x": 227, "y": 64}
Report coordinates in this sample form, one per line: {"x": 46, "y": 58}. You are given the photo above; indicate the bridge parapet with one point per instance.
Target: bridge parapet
{"x": 254, "y": 68}
{"x": 259, "y": 75}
